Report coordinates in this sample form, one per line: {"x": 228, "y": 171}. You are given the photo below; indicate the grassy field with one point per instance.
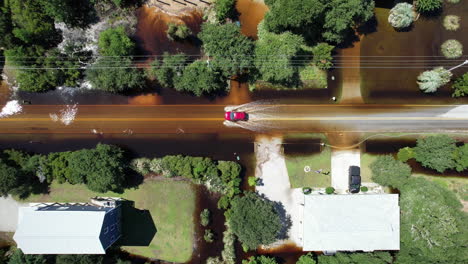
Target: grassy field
{"x": 366, "y": 160}
{"x": 299, "y": 178}
{"x": 170, "y": 204}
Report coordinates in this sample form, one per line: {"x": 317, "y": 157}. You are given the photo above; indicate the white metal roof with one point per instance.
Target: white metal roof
{"x": 365, "y": 222}
{"x": 59, "y": 232}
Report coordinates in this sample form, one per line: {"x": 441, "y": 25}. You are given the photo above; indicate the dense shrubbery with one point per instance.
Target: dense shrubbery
{"x": 166, "y": 71}
{"x": 318, "y": 20}
{"x": 254, "y": 220}
{"x": 387, "y": 171}
{"x": 306, "y": 259}
{"x": 357, "y": 258}
{"x": 452, "y": 49}
{"x": 205, "y": 217}
{"x": 260, "y": 260}
{"x": 115, "y": 42}
{"x": 401, "y": 15}
{"x": 436, "y": 152}
{"x": 430, "y": 81}
{"x": 322, "y": 55}
{"x": 200, "y": 79}
{"x": 460, "y": 86}
{"x": 178, "y": 31}
{"x": 406, "y": 153}
{"x": 329, "y": 190}
{"x": 225, "y": 9}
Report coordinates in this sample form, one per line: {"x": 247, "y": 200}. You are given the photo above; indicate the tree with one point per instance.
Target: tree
{"x": 432, "y": 227}
{"x": 115, "y": 75}
{"x": 274, "y": 55}
{"x": 72, "y": 13}
{"x": 209, "y": 236}
{"x": 460, "y": 157}
{"x": 430, "y": 81}
{"x": 318, "y": 20}
{"x": 231, "y": 51}
{"x": 205, "y": 216}
{"x": 9, "y": 178}
{"x": 306, "y": 259}
{"x": 452, "y": 49}
{"x": 322, "y": 55}
{"x": 401, "y": 15}
{"x": 6, "y": 27}
{"x": 460, "y": 86}
{"x": 171, "y": 66}
{"x": 19, "y": 258}
{"x": 31, "y": 23}
{"x": 79, "y": 259}
{"x": 200, "y": 79}
{"x": 254, "y": 220}
{"x": 345, "y": 15}
{"x": 428, "y": 6}
{"x": 225, "y": 9}
{"x": 436, "y": 152}
{"x": 177, "y": 31}
{"x": 260, "y": 260}
{"x": 115, "y": 42}
{"x": 357, "y": 258}
{"x": 387, "y": 171}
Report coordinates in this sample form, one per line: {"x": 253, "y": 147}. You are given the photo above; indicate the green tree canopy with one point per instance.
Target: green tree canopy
{"x": 115, "y": 75}
{"x": 225, "y": 9}
{"x": 254, "y": 220}
{"x": 318, "y": 20}
{"x": 6, "y": 27}
{"x": 428, "y": 6}
{"x": 73, "y": 13}
{"x": 79, "y": 259}
{"x": 430, "y": 81}
{"x": 171, "y": 66}
{"x": 260, "y": 260}
{"x": 274, "y": 55}
{"x": 436, "y": 152}
{"x": 200, "y": 79}
{"x": 460, "y": 86}
{"x": 357, "y": 258}
{"x": 9, "y": 178}
{"x": 231, "y": 51}
{"x": 322, "y": 55}
{"x": 19, "y": 258}
{"x": 115, "y": 42}
{"x": 387, "y": 171}
{"x": 401, "y": 15}
{"x": 306, "y": 259}
{"x": 433, "y": 227}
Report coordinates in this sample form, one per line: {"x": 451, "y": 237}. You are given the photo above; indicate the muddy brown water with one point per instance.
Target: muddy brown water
{"x": 380, "y": 85}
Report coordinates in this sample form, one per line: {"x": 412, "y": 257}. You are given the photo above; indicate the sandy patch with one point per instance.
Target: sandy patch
{"x": 8, "y": 214}
{"x": 340, "y": 162}
{"x": 271, "y": 169}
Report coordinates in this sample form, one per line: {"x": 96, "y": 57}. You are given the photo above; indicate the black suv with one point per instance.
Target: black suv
{"x": 354, "y": 179}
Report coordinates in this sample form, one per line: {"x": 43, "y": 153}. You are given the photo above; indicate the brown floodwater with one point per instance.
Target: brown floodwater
{"x": 251, "y": 13}
{"x": 380, "y": 85}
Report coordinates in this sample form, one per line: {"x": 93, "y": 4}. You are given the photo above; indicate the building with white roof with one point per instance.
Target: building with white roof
{"x": 351, "y": 222}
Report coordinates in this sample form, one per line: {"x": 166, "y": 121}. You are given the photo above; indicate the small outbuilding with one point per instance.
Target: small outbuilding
{"x": 65, "y": 228}
{"x": 351, "y": 222}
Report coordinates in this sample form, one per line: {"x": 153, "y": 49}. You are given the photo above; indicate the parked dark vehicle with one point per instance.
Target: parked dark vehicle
{"x": 354, "y": 179}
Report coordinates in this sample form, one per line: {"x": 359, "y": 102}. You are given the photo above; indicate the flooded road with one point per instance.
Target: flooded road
{"x": 251, "y": 13}
{"x": 263, "y": 118}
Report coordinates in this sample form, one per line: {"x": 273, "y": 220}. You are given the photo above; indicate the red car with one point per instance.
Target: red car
{"x": 236, "y": 116}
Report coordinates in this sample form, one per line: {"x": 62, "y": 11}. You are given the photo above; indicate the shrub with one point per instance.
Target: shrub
{"x": 224, "y": 202}
{"x": 428, "y": 6}
{"x": 254, "y": 220}
{"x": 436, "y": 152}
{"x": 205, "y": 217}
{"x": 430, "y": 81}
{"x": 460, "y": 86}
{"x": 141, "y": 165}
{"x": 225, "y": 9}
{"x": 401, "y": 15}
{"x": 252, "y": 181}
{"x": 404, "y": 154}
{"x": 9, "y": 178}
{"x": 156, "y": 165}
{"x": 115, "y": 42}
{"x": 306, "y": 190}
{"x": 306, "y": 259}
{"x": 322, "y": 55}
{"x": 452, "y": 49}
{"x": 387, "y": 171}
{"x": 209, "y": 236}
{"x": 329, "y": 190}
{"x": 177, "y": 31}
{"x": 364, "y": 189}
{"x": 451, "y": 22}
{"x": 260, "y": 260}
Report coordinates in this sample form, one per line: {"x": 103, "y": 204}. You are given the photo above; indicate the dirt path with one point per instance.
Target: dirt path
{"x": 271, "y": 169}
{"x": 351, "y": 91}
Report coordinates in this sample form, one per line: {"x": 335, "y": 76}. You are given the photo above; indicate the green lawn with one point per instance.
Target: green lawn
{"x": 366, "y": 160}
{"x": 299, "y": 178}
{"x": 171, "y": 205}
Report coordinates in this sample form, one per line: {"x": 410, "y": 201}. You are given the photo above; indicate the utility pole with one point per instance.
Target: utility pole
{"x": 465, "y": 62}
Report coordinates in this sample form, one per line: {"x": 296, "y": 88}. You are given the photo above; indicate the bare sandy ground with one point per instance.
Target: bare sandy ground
{"x": 271, "y": 169}
{"x": 340, "y": 162}
{"x": 8, "y": 214}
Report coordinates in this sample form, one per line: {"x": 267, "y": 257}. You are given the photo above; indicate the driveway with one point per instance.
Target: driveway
{"x": 340, "y": 162}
